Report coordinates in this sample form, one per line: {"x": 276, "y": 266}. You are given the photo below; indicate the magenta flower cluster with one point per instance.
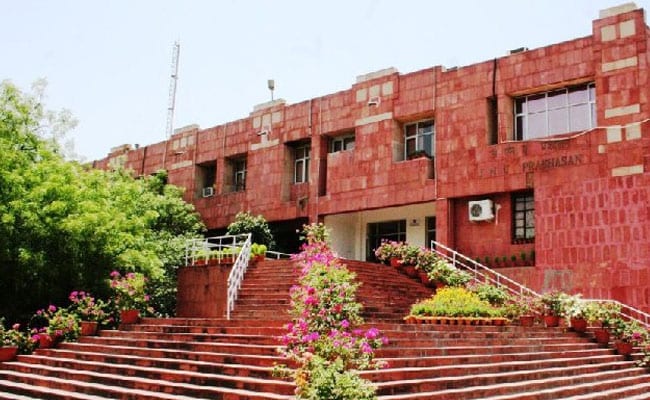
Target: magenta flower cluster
{"x": 325, "y": 317}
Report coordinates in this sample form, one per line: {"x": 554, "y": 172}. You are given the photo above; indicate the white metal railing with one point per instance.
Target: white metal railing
{"x": 485, "y": 274}
{"x": 480, "y": 271}
{"x": 218, "y": 248}
{"x": 237, "y": 274}
{"x": 276, "y": 255}
{"x": 214, "y": 248}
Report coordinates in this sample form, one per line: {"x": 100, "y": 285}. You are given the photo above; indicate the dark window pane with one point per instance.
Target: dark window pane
{"x": 519, "y": 106}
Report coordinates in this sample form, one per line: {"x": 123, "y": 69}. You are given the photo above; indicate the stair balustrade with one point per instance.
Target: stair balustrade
{"x": 488, "y": 275}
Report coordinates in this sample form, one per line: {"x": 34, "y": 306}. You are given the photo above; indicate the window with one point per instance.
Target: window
{"x": 205, "y": 178}
{"x": 387, "y": 230}
{"x": 559, "y": 111}
{"x": 239, "y": 174}
{"x": 341, "y": 143}
{"x": 301, "y": 163}
{"x": 431, "y": 230}
{"x": 419, "y": 137}
{"x": 523, "y": 218}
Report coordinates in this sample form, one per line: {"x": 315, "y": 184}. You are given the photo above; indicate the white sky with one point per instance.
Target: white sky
{"x": 109, "y": 61}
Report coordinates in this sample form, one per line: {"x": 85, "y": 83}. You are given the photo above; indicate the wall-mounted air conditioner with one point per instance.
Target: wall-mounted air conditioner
{"x": 374, "y": 101}
{"x": 207, "y": 191}
{"x": 481, "y": 210}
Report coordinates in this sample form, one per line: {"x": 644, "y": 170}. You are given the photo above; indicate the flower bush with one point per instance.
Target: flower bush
{"x": 15, "y": 336}
{"x": 87, "y": 308}
{"x": 629, "y": 332}
{"x": 129, "y": 292}
{"x": 409, "y": 254}
{"x": 449, "y": 275}
{"x": 322, "y": 339}
{"x": 603, "y": 313}
{"x": 388, "y": 250}
{"x": 59, "y": 323}
{"x": 494, "y": 295}
{"x": 553, "y": 303}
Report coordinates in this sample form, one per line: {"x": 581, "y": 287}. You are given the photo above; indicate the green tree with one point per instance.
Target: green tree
{"x": 65, "y": 227}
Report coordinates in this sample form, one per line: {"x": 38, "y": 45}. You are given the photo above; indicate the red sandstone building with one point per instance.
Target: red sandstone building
{"x": 545, "y": 149}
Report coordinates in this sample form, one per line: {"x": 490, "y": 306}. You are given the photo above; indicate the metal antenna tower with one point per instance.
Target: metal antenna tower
{"x": 172, "y": 89}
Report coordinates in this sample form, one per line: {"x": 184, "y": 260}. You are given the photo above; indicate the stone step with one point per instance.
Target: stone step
{"x": 468, "y": 350}
{"x": 193, "y": 337}
{"x": 219, "y": 347}
{"x": 153, "y": 379}
{"x": 95, "y": 359}
{"x": 215, "y": 357}
{"x": 486, "y": 385}
{"x": 132, "y": 388}
{"x": 627, "y": 392}
{"x": 440, "y": 361}
{"x": 210, "y": 330}
{"x": 457, "y": 370}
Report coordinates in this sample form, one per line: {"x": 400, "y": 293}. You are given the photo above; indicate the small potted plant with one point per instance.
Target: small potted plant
{"x": 425, "y": 261}
{"x": 129, "y": 295}
{"x": 12, "y": 341}
{"x": 553, "y": 307}
{"x": 409, "y": 256}
{"x": 389, "y": 252}
{"x": 522, "y": 259}
{"x": 627, "y": 335}
{"x": 602, "y": 316}
{"x": 258, "y": 252}
{"x": 53, "y": 325}
{"x": 89, "y": 310}
{"x": 575, "y": 311}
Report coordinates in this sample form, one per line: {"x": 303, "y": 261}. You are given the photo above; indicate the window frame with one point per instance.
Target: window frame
{"x": 523, "y": 218}
{"x": 418, "y": 136}
{"x": 301, "y": 164}
{"x": 240, "y": 170}
{"x": 521, "y": 111}
{"x": 343, "y": 141}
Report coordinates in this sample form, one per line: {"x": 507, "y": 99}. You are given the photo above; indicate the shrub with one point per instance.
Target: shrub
{"x": 455, "y": 302}
{"x": 257, "y": 226}
{"x": 494, "y": 295}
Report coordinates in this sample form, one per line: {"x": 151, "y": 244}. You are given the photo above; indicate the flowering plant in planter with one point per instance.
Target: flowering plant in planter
{"x": 15, "y": 337}
{"x": 409, "y": 254}
{"x": 449, "y": 275}
{"x": 553, "y": 303}
{"x": 59, "y": 323}
{"x": 129, "y": 291}
{"x": 426, "y": 260}
{"x": 87, "y": 308}
{"x": 388, "y": 250}
{"x": 603, "y": 313}
{"x": 629, "y": 332}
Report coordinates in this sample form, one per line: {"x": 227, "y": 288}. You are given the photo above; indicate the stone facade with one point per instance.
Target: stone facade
{"x": 591, "y": 187}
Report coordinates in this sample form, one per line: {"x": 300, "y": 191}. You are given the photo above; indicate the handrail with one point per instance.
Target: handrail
{"x": 479, "y": 270}
{"x": 213, "y": 247}
{"x": 276, "y": 255}
{"x": 489, "y": 275}
{"x": 239, "y": 246}
{"x": 237, "y": 274}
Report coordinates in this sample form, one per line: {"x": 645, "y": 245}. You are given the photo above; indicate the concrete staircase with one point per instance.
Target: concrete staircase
{"x": 219, "y": 359}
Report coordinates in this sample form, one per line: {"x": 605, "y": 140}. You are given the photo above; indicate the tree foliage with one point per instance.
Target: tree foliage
{"x": 66, "y": 227}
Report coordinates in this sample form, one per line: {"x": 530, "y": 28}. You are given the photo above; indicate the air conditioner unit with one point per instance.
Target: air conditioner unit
{"x": 207, "y": 191}
{"x": 481, "y": 210}
{"x": 374, "y": 101}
